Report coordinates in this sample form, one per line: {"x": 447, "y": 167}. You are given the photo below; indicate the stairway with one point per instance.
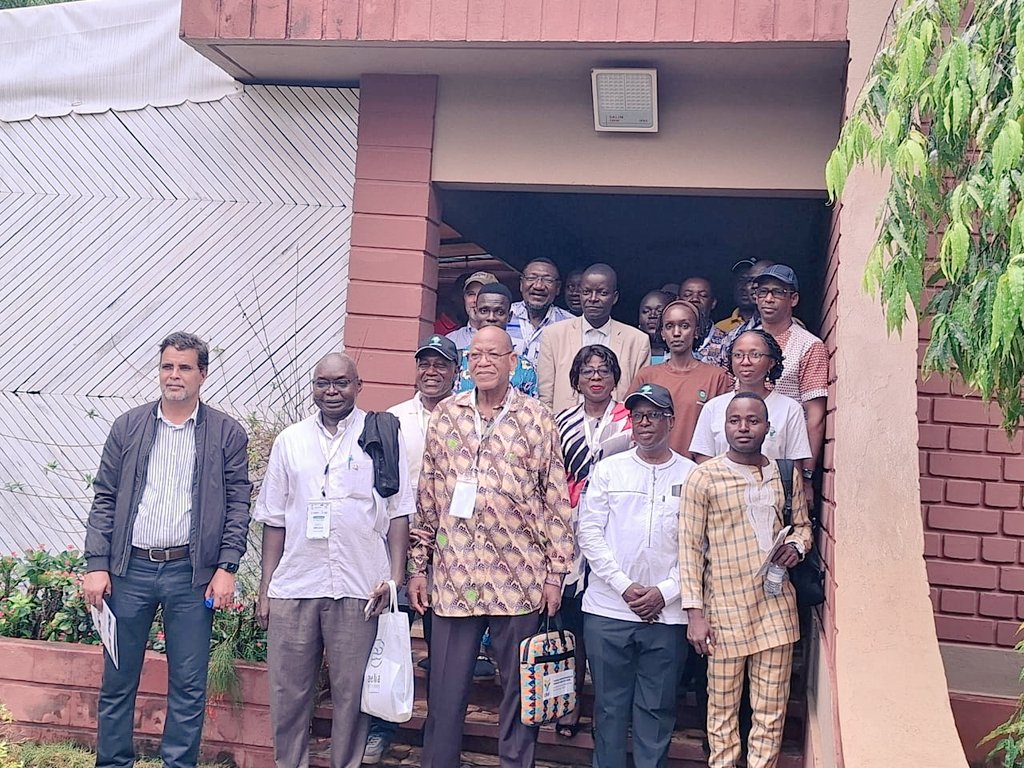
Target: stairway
{"x": 481, "y": 732}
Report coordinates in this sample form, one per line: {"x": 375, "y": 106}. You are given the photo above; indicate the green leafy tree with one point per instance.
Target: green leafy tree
{"x": 942, "y": 111}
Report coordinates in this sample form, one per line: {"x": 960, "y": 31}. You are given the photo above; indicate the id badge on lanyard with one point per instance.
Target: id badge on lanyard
{"x": 318, "y": 519}
{"x": 467, "y": 485}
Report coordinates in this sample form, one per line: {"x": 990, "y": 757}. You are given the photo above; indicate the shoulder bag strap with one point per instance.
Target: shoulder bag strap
{"x": 786, "y": 476}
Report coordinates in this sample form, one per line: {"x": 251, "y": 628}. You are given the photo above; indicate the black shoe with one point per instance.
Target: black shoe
{"x": 484, "y": 669}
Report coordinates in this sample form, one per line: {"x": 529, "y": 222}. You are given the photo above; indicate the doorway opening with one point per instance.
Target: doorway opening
{"x": 650, "y": 240}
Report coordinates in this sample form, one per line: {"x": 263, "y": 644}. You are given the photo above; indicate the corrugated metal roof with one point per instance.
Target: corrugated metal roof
{"x": 229, "y": 219}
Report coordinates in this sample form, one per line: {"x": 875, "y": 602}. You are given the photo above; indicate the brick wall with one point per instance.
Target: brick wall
{"x": 971, "y": 478}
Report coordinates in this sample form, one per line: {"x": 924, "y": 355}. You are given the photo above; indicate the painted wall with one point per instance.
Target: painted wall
{"x": 517, "y": 20}
{"x": 713, "y": 134}
{"x": 889, "y": 679}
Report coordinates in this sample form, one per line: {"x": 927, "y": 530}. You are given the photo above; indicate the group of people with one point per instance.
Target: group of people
{"x": 543, "y": 467}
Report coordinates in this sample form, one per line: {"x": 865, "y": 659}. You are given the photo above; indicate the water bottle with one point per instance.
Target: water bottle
{"x": 773, "y": 580}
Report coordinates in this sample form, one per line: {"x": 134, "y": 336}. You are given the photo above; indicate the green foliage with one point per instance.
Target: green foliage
{"x": 41, "y": 599}
{"x": 943, "y": 112}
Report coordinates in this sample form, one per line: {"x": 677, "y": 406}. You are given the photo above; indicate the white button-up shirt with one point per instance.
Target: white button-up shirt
{"x": 414, "y": 419}
{"x": 306, "y": 464}
{"x": 629, "y": 532}
{"x": 592, "y": 335}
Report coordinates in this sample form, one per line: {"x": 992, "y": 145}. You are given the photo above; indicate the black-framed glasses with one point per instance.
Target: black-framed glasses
{"x": 651, "y": 417}
{"x": 595, "y": 373}
{"x": 775, "y": 293}
{"x": 325, "y": 384}
{"x": 753, "y": 357}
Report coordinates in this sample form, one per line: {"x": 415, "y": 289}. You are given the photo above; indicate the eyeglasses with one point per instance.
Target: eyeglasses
{"x": 476, "y": 357}
{"x": 651, "y": 417}
{"x": 775, "y": 293}
{"x": 539, "y": 279}
{"x": 325, "y": 384}
{"x": 595, "y": 373}
{"x": 751, "y": 356}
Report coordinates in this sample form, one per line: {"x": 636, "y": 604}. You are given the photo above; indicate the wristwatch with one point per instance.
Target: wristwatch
{"x": 807, "y": 473}
{"x": 229, "y": 567}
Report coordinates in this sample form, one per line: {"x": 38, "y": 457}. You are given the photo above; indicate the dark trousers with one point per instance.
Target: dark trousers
{"x": 454, "y": 643}
{"x": 134, "y": 599}
{"x": 635, "y": 668}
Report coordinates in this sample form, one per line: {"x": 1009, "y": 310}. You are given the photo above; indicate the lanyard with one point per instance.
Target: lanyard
{"x": 422, "y": 415}
{"x": 593, "y": 436}
{"x": 330, "y": 449}
{"x": 481, "y": 433}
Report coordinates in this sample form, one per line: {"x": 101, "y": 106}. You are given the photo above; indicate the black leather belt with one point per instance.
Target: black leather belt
{"x": 161, "y": 555}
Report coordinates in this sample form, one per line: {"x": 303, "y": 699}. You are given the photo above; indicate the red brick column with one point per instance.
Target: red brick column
{"x": 392, "y": 287}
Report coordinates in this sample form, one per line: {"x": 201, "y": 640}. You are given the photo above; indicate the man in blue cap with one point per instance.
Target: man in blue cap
{"x": 804, "y": 357}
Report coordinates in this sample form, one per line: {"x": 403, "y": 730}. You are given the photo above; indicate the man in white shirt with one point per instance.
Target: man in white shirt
{"x": 330, "y": 542}
{"x": 634, "y": 625}
{"x": 539, "y": 286}
{"x": 436, "y": 370}
{"x": 463, "y": 336}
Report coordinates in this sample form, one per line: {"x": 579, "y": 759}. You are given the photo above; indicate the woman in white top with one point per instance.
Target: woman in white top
{"x": 756, "y": 361}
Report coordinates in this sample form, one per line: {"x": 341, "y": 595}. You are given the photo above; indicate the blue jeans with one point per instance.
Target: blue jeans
{"x": 134, "y": 599}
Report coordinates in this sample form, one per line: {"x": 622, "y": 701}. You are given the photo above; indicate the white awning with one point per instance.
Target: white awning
{"x": 98, "y": 55}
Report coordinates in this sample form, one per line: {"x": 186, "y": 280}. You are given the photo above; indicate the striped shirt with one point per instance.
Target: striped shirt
{"x": 165, "y": 509}
{"x": 805, "y": 365}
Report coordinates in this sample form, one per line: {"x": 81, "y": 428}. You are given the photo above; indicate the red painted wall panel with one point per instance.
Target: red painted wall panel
{"x": 584, "y": 21}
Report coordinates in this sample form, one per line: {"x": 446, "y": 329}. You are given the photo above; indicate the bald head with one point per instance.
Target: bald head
{"x": 336, "y": 365}
{"x": 490, "y": 336}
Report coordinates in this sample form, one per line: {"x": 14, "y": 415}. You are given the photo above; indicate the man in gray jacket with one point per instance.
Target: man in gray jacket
{"x": 167, "y": 529}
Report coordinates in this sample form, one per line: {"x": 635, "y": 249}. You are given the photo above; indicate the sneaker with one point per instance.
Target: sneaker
{"x": 376, "y": 747}
{"x": 484, "y": 669}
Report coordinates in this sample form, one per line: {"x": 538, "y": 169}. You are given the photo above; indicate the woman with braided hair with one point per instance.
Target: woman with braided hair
{"x": 755, "y": 359}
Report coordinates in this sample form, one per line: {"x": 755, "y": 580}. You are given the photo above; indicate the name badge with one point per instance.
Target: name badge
{"x": 677, "y": 490}
{"x": 464, "y": 498}
{"x": 318, "y": 519}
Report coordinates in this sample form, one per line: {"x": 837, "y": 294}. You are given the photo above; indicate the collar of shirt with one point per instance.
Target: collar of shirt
{"x": 605, "y": 331}
{"x": 342, "y": 427}
{"x": 191, "y": 417}
{"x": 521, "y": 313}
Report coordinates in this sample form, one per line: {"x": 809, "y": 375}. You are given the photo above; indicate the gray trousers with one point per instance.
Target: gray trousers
{"x": 454, "y": 643}
{"x": 635, "y": 669}
{"x": 301, "y": 632}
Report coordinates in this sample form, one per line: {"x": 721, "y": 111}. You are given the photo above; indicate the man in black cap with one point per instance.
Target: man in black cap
{"x": 745, "y": 306}
{"x": 634, "y": 625}
{"x": 437, "y": 366}
{"x": 804, "y": 358}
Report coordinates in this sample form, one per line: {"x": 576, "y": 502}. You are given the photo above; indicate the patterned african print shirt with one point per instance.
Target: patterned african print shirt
{"x": 728, "y": 519}
{"x": 520, "y": 531}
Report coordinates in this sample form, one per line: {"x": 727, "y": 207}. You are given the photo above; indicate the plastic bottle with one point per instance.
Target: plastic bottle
{"x": 773, "y": 580}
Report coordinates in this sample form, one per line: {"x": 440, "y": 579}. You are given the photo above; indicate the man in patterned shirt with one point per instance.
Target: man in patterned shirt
{"x": 493, "y": 501}
{"x": 730, "y": 516}
{"x": 804, "y": 358}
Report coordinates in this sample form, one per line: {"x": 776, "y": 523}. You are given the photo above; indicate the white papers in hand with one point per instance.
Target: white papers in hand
{"x": 779, "y": 538}
{"x": 106, "y": 625}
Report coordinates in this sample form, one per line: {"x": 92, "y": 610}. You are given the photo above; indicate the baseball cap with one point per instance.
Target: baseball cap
{"x": 652, "y": 393}
{"x": 782, "y": 273}
{"x": 742, "y": 264}
{"x": 444, "y": 346}
{"x": 484, "y": 278}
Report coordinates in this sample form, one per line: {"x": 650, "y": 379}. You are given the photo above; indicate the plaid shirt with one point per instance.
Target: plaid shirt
{"x": 494, "y": 563}
{"x": 729, "y": 515}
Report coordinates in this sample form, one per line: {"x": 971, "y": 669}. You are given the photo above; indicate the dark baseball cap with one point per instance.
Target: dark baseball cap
{"x": 444, "y": 346}
{"x": 779, "y": 272}
{"x": 742, "y": 264}
{"x": 652, "y": 393}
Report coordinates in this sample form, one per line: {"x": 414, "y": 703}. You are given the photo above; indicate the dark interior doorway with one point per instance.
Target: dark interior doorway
{"x": 649, "y": 239}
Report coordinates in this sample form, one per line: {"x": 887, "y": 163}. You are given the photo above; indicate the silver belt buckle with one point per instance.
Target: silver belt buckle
{"x": 152, "y": 556}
